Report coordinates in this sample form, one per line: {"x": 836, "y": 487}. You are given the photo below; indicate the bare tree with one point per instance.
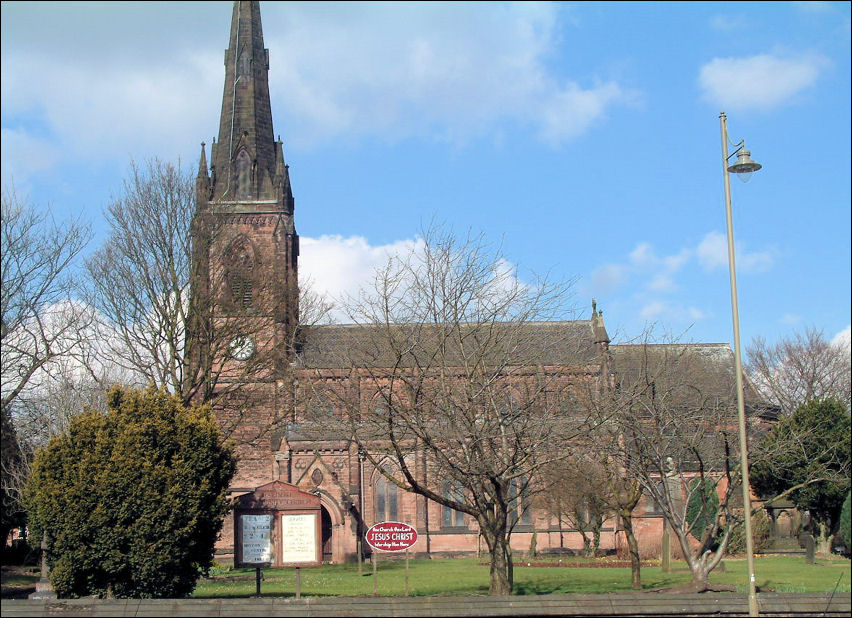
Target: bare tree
{"x": 140, "y": 277}
{"x": 576, "y": 496}
{"x": 452, "y": 378}
{"x": 41, "y": 324}
{"x": 671, "y": 419}
{"x": 44, "y": 412}
{"x": 41, "y": 321}
{"x": 620, "y": 492}
{"x": 799, "y": 368}
{"x": 170, "y": 319}
{"x": 623, "y": 494}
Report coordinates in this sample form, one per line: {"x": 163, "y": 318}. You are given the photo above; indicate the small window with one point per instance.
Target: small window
{"x": 451, "y": 518}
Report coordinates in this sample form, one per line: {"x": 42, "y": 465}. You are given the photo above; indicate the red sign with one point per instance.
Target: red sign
{"x": 391, "y": 536}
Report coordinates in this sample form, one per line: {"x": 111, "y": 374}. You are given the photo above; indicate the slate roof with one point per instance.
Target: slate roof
{"x": 710, "y": 368}
{"x": 567, "y": 343}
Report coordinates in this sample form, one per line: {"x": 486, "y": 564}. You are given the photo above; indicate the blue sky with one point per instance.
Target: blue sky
{"x": 584, "y": 137}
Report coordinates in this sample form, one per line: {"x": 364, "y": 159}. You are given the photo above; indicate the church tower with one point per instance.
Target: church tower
{"x": 245, "y": 283}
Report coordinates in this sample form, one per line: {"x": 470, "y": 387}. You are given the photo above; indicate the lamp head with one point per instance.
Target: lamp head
{"x": 744, "y": 167}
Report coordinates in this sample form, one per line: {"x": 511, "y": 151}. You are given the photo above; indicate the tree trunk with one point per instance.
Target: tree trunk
{"x": 587, "y": 544}
{"x": 596, "y": 542}
{"x": 501, "y": 563}
{"x": 700, "y": 578}
{"x": 633, "y": 550}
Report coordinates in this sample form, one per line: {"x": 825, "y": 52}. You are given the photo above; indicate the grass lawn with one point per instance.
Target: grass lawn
{"x": 465, "y": 576}
{"x": 18, "y": 582}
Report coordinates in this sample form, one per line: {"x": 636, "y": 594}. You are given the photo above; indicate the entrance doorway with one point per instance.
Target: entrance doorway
{"x": 326, "y": 535}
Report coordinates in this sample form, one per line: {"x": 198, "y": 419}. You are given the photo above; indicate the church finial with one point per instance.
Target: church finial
{"x": 601, "y": 336}
{"x": 202, "y": 163}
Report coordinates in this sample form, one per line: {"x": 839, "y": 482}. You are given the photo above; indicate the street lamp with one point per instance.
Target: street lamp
{"x": 745, "y": 166}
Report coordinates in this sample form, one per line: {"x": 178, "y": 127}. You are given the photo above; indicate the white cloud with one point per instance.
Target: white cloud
{"x": 712, "y": 253}
{"x": 814, "y": 6}
{"x": 843, "y": 338}
{"x": 24, "y": 155}
{"x": 727, "y": 23}
{"x": 107, "y": 111}
{"x": 340, "y": 267}
{"x": 662, "y": 283}
{"x": 452, "y": 72}
{"x": 657, "y": 309}
{"x": 653, "y": 310}
{"x": 607, "y": 278}
{"x": 758, "y": 82}
{"x": 655, "y": 277}
{"x": 457, "y": 71}
{"x": 791, "y": 318}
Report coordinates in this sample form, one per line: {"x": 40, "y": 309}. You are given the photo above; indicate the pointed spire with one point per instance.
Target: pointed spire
{"x": 202, "y": 182}
{"x": 244, "y": 158}
{"x": 202, "y": 164}
{"x": 281, "y": 178}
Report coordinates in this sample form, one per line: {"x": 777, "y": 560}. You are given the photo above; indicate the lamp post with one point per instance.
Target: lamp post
{"x": 746, "y": 166}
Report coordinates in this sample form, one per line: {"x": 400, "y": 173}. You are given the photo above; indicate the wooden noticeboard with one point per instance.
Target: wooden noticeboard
{"x": 280, "y": 522}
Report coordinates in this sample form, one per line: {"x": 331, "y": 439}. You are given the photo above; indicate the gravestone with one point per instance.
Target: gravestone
{"x": 807, "y": 541}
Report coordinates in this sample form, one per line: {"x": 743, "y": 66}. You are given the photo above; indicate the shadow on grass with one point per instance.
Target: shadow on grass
{"x": 537, "y": 588}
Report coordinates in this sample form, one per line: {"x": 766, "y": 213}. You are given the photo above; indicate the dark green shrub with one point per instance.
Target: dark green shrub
{"x": 131, "y": 499}
{"x": 845, "y": 521}
{"x": 701, "y": 506}
{"x": 812, "y": 443}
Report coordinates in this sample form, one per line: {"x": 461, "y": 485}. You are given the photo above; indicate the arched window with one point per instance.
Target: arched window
{"x": 240, "y": 272}
{"x": 385, "y": 499}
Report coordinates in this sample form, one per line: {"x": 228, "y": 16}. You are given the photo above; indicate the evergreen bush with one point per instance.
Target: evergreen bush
{"x": 846, "y": 521}
{"x": 131, "y": 499}
{"x": 702, "y": 505}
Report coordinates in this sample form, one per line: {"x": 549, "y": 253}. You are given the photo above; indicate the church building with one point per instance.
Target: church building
{"x": 262, "y": 362}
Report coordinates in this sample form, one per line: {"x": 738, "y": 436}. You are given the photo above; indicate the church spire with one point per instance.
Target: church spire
{"x": 244, "y": 159}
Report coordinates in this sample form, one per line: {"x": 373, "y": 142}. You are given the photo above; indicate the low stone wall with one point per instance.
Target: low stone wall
{"x": 633, "y": 604}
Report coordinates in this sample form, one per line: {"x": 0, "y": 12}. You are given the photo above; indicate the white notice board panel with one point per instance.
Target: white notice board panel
{"x": 299, "y": 538}
{"x": 257, "y": 539}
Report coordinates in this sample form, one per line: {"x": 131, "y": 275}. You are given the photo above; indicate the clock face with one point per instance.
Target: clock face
{"x": 242, "y": 347}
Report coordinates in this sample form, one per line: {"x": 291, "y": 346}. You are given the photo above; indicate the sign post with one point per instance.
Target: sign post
{"x": 256, "y": 543}
{"x": 390, "y": 536}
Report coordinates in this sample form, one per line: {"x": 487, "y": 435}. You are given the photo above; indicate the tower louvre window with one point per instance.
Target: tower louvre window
{"x": 241, "y": 289}
{"x": 240, "y": 273}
